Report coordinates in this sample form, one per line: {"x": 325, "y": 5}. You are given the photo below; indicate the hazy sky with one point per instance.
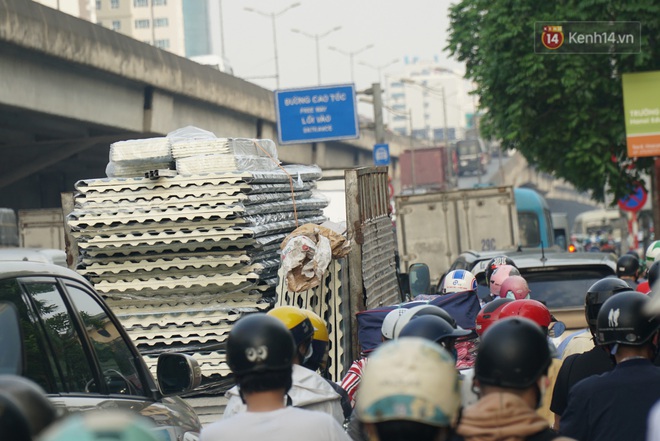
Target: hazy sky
{"x": 396, "y": 28}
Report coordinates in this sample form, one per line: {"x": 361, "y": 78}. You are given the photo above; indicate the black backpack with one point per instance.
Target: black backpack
{"x": 544, "y": 435}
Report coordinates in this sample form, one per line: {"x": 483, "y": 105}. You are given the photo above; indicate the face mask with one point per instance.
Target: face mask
{"x": 308, "y": 355}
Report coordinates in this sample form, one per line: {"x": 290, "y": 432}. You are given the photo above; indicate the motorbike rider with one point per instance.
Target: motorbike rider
{"x": 260, "y": 353}
{"x": 499, "y": 275}
{"x": 510, "y": 376}
{"x": 615, "y": 405}
{"x": 627, "y": 268}
{"x": 516, "y": 288}
{"x": 309, "y": 389}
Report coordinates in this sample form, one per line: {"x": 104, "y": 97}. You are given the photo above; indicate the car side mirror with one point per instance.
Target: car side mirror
{"x": 177, "y": 373}
{"x": 419, "y": 279}
{"x": 557, "y": 329}
{"x": 11, "y": 356}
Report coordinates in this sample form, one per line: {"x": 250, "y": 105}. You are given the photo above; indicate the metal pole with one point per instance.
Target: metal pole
{"x": 412, "y": 152}
{"x": 277, "y": 65}
{"x": 450, "y": 162}
{"x": 352, "y": 68}
{"x": 318, "y": 59}
{"x": 378, "y": 114}
{"x": 222, "y": 33}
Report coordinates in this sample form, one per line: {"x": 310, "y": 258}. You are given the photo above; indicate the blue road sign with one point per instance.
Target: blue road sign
{"x": 316, "y": 114}
{"x": 382, "y": 154}
{"x": 635, "y": 200}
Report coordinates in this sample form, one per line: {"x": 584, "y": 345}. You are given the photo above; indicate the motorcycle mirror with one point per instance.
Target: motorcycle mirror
{"x": 419, "y": 279}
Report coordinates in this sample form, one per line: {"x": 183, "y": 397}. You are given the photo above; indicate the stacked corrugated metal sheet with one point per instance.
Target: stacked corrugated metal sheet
{"x": 180, "y": 258}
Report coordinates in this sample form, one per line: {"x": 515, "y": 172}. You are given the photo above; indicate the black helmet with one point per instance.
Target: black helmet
{"x": 437, "y": 311}
{"x": 13, "y": 424}
{"x": 431, "y": 327}
{"x": 494, "y": 263}
{"x": 514, "y": 353}
{"x": 598, "y": 293}
{"x": 622, "y": 320}
{"x": 31, "y": 400}
{"x": 259, "y": 343}
{"x": 627, "y": 265}
{"x": 654, "y": 273}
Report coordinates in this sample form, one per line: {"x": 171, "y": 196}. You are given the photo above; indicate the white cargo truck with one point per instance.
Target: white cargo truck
{"x": 41, "y": 228}
{"x": 434, "y": 228}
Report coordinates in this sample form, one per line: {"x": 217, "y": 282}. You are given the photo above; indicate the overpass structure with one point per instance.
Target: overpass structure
{"x": 69, "y": 88}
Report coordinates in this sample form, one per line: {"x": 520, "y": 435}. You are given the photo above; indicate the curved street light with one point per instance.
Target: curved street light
{"x": 350, "y": 55}
{"x": 316, "y": 38}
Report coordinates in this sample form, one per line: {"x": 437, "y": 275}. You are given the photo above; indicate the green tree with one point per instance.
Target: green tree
{"x": 564, "y": 113}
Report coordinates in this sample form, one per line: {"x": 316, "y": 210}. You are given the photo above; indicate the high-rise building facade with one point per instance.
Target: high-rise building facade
{"x": 84, "y": 9}
{"x": 156, "y": 22}
{"x": 432, "y": 99}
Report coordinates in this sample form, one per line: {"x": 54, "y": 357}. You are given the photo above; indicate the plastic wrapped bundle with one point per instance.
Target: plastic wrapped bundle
{"x": 153, "y": 150}
{"x": 199, "y": 147}
{"x": 133, "y": 169}
{"x": 222, "y": 163}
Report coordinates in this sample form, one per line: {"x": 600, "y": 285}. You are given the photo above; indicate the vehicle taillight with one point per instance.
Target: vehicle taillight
{"x": 571, "y": 248}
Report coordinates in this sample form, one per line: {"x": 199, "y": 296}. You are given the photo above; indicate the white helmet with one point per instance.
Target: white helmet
{"x": 652, "y": 252}
{"x": 387, "y": 393}
{"x": 459, "y": 281}
{"x": 387, "y": 328}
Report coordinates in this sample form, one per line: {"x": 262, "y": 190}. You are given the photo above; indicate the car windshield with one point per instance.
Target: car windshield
{"x": 557, "y": 287}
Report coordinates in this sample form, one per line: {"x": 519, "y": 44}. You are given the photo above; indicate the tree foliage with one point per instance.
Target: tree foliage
{"x": 564, "y": 113}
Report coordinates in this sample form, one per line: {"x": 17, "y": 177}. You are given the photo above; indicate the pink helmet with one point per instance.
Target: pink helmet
{"x": 499, "y": 276}
{"x": 515, "y": 287}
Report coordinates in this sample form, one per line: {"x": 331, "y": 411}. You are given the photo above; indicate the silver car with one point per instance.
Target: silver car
{"x": 74, "y": 347}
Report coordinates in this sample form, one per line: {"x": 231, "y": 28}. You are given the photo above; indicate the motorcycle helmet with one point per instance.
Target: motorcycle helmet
{"x": 387, "y": 328}
{"x": 530, "y": 309}
{"x": 387, "y": 394}
{"x": 259, "y": 343}
{"x": 296, "y": 321}
{"x": 499, "y": 276}
{"x": 622, "y": 320}
{"x": 652, "y": 252}
{"x": 418, "y": 311}
{"x": 627, "y": 265}
{"x": 597, "y": 294}
{"x": 459, "y": 281}
{"x": 494, "y": 263}
{"x": 433, "y": 328}
{"x": 104, "y": 425}
{"x": 489, "y": 314}
{"x": 320, "y": 342}
{"x": 653, "y": 273}
{"x": 515, "y": 287}
{"x": 31, "y": 400}
{"x": 514, "y": 353}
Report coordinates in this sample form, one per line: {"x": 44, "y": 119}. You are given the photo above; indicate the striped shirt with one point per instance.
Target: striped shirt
{"x": 351, "y": 381}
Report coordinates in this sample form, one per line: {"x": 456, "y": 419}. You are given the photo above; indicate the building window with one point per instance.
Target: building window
{"x": 116, "y": 25}
{"x": 161, "y": 22}
{"x": 98, "y": 5}
{"x": 163, "y": 44}
{"x": 114, "y": 4}
{"x": 141, "y": 24}
{"x": 140, "y": 3}
{"x": 398, "y": 96}
{"x": 158, "y": 2}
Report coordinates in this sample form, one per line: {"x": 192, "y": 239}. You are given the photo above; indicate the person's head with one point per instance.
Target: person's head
{"x": 500, "y": 274}
{"x": 489, "y": 314}
{"x": 435, "y": 329}
{"x": 459, "y": 281}
{"x": 515, "y": 287}
{"x": 622, "y": 322}
{"x": 653, "y": 273}
{"x": 25, "y": 409}
{"x": 320, "y": 342}
{"x": 391, "y": 407}
{"x": 102, "y": 425}
{"x": 627, "y": 266}
{"x": 260, "y": 353}
{"x": 496, "y": 262}
{"x": 529, "y": 309}
{"x": 597, "y": 294}
{"x": 301, "y": 329}
{"x": 389, "y": 322}
{"x": 514, "y": 355}
{"x": 418, "y": 311}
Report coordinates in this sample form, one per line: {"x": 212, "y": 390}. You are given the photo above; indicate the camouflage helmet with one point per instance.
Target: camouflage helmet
{"x": 409, "y": 379}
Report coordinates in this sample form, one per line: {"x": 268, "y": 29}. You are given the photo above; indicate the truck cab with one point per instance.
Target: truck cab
{"x": 534, "y": 219}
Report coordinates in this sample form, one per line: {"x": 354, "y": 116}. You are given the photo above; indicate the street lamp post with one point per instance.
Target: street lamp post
{"x": 350, "y": 55}
{"x": 316, "y": 38}
{"x": 273, "y": 16}
{"x": 379, "y": 68}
